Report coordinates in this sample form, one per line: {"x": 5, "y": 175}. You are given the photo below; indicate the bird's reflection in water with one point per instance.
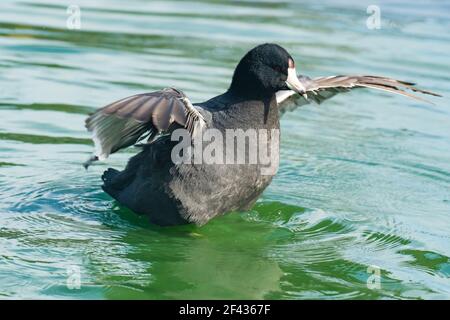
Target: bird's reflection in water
{"x": 225, "y": 259}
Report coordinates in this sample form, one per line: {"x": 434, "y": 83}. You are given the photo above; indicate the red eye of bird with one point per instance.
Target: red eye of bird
{"x": 278, "y": 69}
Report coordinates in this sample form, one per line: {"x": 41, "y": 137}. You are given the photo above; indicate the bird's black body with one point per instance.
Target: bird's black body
{"x": 172, "y": 193}
{"x": 169, "y": 193}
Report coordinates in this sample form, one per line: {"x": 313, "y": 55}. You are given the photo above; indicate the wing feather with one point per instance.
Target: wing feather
{"x": 323, "y": 88}
{"x": 126, "y": 121}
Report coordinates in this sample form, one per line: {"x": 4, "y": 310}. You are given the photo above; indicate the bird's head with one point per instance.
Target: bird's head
{"x": 264, "y": 70}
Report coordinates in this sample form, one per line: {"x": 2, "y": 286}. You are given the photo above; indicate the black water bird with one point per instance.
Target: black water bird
{"x": 264, "y": 85}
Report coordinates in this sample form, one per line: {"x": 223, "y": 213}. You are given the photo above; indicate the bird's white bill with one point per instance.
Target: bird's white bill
{"x": 293, "y": 83}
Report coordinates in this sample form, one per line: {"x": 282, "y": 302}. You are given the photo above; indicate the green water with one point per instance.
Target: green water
{"x": 364, "y": 180}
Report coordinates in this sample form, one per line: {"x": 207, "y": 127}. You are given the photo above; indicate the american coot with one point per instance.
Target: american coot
{"x": 264, "y": 86}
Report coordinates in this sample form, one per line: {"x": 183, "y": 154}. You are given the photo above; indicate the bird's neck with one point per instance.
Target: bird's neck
{"x": 249, "y": 90}
{"x": 252, "y": 111}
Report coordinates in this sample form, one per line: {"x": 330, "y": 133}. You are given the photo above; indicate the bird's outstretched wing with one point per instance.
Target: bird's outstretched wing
{"x": 130, "y": 120}
{"x": 323, "y": 88}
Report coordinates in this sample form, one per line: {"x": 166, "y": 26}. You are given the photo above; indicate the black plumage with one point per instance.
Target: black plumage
{"x": 264, "y": 85}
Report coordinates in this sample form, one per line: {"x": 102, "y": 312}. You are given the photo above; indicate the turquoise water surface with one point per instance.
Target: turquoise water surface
{"x": 364, "y": 181}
